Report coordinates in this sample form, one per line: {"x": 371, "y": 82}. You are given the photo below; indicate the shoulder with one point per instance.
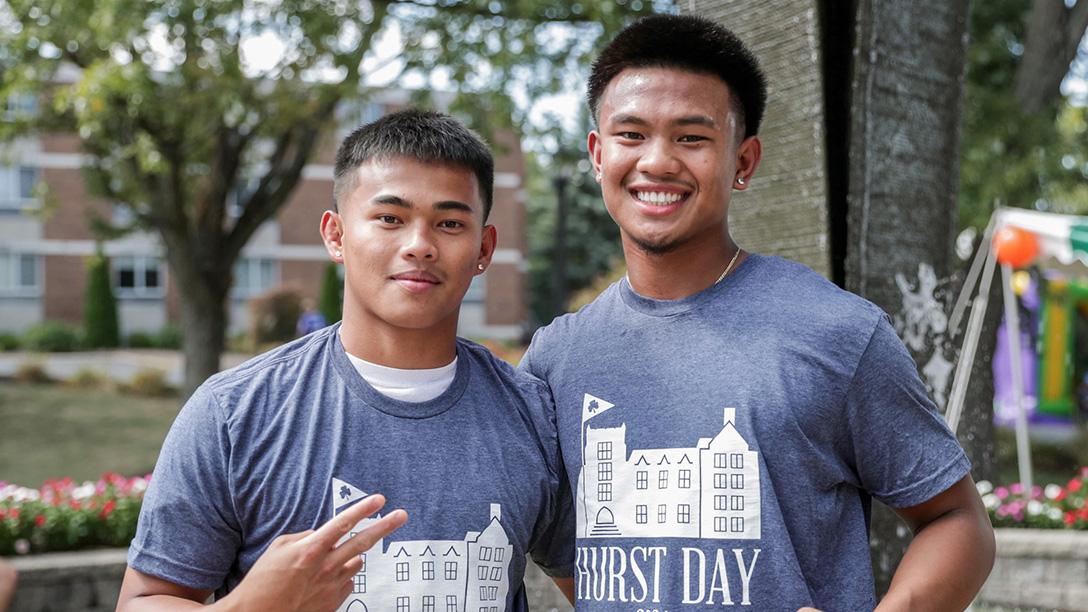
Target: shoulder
{"x": 498, "y": 373}
{"x": 269, "y": 374}
{"x": 802, "y": 298}
{"x": 567, "y": 327}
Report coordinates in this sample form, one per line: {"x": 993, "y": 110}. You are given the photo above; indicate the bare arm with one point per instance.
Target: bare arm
{"x": 567, "y": 586}
{"x": 951, "y": 555}
{"x": 300, "y": 571}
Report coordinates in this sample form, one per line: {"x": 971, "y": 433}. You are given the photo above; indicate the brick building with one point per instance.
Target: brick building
{"x": 45, "y": 239}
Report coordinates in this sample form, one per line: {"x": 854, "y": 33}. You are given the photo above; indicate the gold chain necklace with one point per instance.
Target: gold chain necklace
{"x": 729, "y": 267}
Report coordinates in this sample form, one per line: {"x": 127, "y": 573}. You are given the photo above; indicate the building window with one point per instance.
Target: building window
{"x": 683, "y": 514}
{"x": 485, "y": 553}
{"x": 640, "y": 514}
{"x": 252, "y": 276}
{"x": 477, "y": 289}
{"x": 451, "y": 570}
{"x": 481, "y": 572}
{"x": 662, "y": 513}
{"x": 496, "y": 573}
{"x": 483, "y": 595}
{"x": 402, "y": 571}
{"x": 17, "y": 187}
{"x": 428, "y": 570}
{"x": 736, "y": 524}
{"x": 451, "y": 603}
{"x": 428, "y": 603}
{"x": 663, "y": 479}
{"x": 736, "y": 481}
{"x": 358, "y": 583}
{"x": 493, "y": 591}
{"x": 138, "y": 276}
{"x": 736, "y": 461}
{"x": 641, "y": 480}
{"x": 721, "y": 481}
{"x": 402, "y": 604}
{"x": 21, "y": 106}
{"x": 362, "y": 568}
{"x": 685, "y": 479}
{"x": 500, "y": 554}
{"x": 604, "y": 471}
{"x": 719, "y": 524}
{"x": 19, "y": 274}
{"x": 719, "y": 502}
{"x": 604, "y": 491}
{"x": 736, "y": 502}
{"x": 604, "y": 451}
{"x": 719, "y": 460}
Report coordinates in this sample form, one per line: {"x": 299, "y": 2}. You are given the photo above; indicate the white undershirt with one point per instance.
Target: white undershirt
{"x": 406, "y": 385}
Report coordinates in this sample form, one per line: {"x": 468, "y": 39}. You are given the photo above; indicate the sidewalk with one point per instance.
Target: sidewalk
{"x": 119, "y": 364}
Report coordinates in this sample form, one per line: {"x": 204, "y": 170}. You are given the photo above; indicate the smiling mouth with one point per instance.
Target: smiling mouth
{"x": 658, "y": 198}
{"x": 416, "y": 280}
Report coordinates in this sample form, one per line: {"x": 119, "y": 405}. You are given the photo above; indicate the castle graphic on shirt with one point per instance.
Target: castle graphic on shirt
{"x": 710, "y": 490}
{"x": 470, "y": 574}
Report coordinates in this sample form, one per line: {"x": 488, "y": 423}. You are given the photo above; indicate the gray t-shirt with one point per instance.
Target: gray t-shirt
{"x": 723, "y": 448}
{"x": 284, "y": 442}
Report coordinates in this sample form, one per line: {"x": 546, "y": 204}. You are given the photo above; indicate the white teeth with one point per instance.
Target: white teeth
{"x": 658, "y": 197}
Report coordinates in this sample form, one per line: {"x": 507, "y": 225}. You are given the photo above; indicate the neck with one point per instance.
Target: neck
{"x": 686, "y": 270}
{"x": 395, "y": 347}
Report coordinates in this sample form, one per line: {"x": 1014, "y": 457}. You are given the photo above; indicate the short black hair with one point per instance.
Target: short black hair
{"x": 688, "y": 43}
{"x": 424, "y": 136}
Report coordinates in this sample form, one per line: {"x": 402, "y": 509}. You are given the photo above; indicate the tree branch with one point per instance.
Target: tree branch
{"x": 1053, "y": 37}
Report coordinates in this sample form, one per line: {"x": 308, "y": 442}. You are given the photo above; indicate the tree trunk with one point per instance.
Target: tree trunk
{"x": 204, "y": 319}
{"x": 906, "y": 105}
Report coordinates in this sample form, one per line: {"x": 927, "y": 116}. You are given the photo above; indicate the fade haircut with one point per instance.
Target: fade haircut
{"x": 424, "y": 136}
{"x": 686, "y": 43}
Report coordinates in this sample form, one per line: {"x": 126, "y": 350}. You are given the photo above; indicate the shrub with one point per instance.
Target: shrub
{"x": 90, "y": 378}
{"x": 140, "y": 340}
{"x": 149, "y": 382}
{"x": 8, "y": 342}
{"x": 273, "y": 316}
{"x": 63, "y": 516}
{"x": 51, "y": 336}
{"x": 100, "y": 306}
{"x": 169, "y": 337}
{"x": 32, "y": 372}
{"x": 331, "y": 301}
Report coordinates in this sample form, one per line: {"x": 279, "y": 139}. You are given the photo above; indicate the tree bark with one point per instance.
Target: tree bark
{"x": 906, "y": 105}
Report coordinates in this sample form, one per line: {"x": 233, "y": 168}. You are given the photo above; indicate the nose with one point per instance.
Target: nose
{"x": 420, "y": 245}
{"x": 658, "y": 158}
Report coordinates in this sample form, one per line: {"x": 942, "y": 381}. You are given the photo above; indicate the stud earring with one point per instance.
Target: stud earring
{"x": 740, "y": 180}
{"x": 599, "y": 177}
{"x": 337, "y": 253}
{"x": 480, "y": 267}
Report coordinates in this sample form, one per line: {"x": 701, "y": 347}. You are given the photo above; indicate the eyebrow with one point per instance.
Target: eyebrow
{"x": 702, "y": 120}
{"x": 392, "y": 200}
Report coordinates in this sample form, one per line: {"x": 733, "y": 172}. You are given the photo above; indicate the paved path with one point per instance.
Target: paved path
{"x": 120, "y": 365}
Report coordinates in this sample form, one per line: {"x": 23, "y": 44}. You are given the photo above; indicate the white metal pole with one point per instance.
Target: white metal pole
{"x": 969, "y": 347}
{"x": 1012, "y": 328}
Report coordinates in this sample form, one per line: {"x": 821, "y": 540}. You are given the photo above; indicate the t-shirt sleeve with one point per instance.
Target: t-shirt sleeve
{"x": 188, "y": 532}
{"x": 902, "y": 450}
{"x": 530, "y": 362}
{"x": 552, "y": 546}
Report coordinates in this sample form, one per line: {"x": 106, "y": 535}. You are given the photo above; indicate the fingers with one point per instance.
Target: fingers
{"x": 329, "y": 533}
{"x": 366, "y": 538}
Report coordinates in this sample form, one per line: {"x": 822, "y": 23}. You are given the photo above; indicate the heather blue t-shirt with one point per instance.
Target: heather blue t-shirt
{"x": 723, "y": 448}
{"x": 280, "y": 444}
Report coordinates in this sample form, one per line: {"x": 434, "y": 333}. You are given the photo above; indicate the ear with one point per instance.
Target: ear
{"x": 332, "y": 234}
{"x": 594, "y": 145}
{"x": 487, "y": 248}
{"x": 749, "y": 153}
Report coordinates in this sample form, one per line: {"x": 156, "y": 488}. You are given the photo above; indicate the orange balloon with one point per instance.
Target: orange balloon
{"x": 1015, "y": 247}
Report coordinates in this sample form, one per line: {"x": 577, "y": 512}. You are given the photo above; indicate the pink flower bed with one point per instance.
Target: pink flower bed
{"x": 1051, "y": 507}
{"x": 64, "y": 515}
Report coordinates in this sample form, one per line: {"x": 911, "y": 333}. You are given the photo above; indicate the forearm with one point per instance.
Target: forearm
{"x": 945, "y": 565}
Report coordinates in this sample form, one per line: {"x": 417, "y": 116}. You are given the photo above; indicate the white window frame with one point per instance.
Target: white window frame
{"x": 139, "y": 276}
{"x": 14, "y": 263}
{"x": 11, "y": 188}
{"x": 253, "y": 267}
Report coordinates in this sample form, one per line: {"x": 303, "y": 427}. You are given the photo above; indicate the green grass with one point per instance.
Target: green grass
{"x": 52, "y": 431}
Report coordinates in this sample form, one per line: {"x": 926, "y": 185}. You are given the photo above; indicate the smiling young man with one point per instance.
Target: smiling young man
{"x": 389, "y": 401}
{"x": 726, "y": 418}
